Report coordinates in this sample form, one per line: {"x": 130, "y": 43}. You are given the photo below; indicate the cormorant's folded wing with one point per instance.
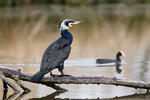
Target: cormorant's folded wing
{"x": 55, "y": 54}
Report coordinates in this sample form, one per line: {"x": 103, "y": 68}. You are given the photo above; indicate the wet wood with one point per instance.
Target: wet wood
{"x": 7, "y": 82}
{"x": 51, "y": 81}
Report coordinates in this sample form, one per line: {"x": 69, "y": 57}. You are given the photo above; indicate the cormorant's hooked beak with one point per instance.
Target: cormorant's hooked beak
{"x": 74, "y": 22}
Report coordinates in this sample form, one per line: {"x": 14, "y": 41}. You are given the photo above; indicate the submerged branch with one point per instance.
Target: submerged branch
{"x": 51, "y": 81}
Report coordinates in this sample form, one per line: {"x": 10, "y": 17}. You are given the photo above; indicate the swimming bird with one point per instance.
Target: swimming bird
{"x": 56, "y": 53}
{"x": 117, "y": 60}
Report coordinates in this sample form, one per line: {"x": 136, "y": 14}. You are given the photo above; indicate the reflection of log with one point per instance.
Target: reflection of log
{"x": 10, "y": 73}
{"x": 52, "y": 96}
{"x": 14, "y": 96}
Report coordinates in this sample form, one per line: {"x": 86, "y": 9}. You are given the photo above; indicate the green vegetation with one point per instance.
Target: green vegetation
{"x": 14, "y": 3}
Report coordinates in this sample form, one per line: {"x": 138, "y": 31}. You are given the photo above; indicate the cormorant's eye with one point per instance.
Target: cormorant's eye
{"x": 69, "y": 23}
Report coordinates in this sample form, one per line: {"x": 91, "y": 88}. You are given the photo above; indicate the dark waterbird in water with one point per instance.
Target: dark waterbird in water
{"x": 117, "y": 60}
{"x": 56, "y": 53}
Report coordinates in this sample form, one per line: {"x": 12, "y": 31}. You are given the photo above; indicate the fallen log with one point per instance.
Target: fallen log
{"x": 51, "y": 81}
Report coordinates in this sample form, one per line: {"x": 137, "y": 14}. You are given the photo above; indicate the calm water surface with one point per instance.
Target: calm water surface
{"x": 26, "y": 32}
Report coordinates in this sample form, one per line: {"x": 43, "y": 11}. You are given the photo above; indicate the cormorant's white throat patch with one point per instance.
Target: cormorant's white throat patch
{"x": 63, "y": 25}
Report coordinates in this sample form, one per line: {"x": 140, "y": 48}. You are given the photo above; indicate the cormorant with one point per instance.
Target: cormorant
{"x": 56, "y": 53}
{"x": 117, "y": 60}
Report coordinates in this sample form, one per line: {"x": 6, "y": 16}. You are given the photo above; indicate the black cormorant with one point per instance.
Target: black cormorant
{"x": 56, "y": 53}
{"x": 117, "y": 60}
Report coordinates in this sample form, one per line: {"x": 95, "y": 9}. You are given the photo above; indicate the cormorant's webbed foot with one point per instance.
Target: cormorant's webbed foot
{"x": 63, "y": 75}
{"x": 54, "y": 75}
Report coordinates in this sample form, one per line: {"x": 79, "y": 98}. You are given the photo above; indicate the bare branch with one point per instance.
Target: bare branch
{"x": 51, "y": 81}
{"x": 7, "y": 82}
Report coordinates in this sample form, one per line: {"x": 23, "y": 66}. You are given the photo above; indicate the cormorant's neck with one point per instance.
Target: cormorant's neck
{"x": 67, "y": 35}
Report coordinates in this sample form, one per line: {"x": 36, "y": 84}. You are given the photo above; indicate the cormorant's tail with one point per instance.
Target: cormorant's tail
{"x": 37, "y": 77}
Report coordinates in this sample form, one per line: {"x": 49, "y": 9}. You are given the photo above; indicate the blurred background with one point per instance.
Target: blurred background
{"x": 27, "y": 27}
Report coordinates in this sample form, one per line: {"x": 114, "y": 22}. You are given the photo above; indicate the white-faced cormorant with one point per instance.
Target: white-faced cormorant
{"x": 117, "y": 60}
{"x": 56, "y": 53}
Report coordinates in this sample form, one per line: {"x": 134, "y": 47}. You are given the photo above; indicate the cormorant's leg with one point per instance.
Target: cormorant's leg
{"x": 60, "y": 68}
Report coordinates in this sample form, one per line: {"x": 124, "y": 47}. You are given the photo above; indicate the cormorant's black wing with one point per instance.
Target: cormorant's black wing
{"x": 55, "y": 54}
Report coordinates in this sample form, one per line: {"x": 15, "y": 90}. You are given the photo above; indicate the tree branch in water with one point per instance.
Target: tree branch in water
{"x": 51, "y": 81}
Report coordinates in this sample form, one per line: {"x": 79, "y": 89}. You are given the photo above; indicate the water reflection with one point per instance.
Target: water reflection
{"x": 13, "y": 96}
{"x": 4, "y": 94}
{"x": 54, "y": 96}
{"x": 50, "y": 96}
{"x": 118, "y": 69}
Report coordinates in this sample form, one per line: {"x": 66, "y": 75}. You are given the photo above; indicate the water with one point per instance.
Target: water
{"x": 26, "y": 32}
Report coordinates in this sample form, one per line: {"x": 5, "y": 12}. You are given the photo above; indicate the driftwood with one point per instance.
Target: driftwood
{"x": 7, "y": 82}
{"x": 17, "y": 75}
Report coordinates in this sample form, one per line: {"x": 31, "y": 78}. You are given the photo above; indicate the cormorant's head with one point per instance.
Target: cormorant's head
{"x": 120, "y": 53}
{"x": 67, "y": 23}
